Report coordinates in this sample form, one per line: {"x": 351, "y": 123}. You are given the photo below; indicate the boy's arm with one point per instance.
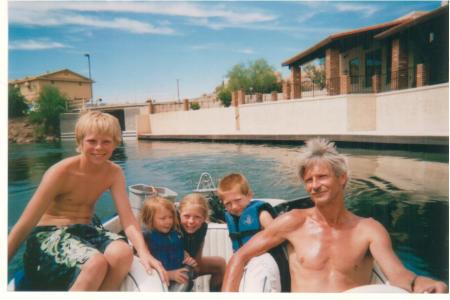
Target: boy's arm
{"x": 381, "y": 249}
{"x": 36, "y": 207}
{"x": 131, "y": 226}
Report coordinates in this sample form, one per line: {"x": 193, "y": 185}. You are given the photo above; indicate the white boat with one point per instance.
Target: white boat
{"x": 217, "y": 241}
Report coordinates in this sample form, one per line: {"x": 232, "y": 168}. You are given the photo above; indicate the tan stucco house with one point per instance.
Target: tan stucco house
{"x": 76, "y": 87}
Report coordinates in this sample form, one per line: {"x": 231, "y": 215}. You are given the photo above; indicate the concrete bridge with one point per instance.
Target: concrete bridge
{"x": 127, "y": 115}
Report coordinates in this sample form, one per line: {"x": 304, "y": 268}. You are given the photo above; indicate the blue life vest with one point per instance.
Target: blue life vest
{"x": 242, "y": 228}
{"x": 166, "y": 247}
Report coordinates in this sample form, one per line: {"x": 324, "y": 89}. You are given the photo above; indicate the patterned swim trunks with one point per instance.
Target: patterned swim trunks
{"x": 54, "y": 255}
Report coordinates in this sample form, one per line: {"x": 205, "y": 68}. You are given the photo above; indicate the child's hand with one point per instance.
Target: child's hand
{"x": 188, "y": 260}
{"x": 178, "y": 275}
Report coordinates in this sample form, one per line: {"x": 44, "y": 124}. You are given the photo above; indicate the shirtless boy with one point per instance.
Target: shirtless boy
{"x": 330, "y": 249}
{"x": 64, "y": 250}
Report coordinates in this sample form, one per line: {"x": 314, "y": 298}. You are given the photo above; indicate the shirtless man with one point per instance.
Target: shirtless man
{"x": 330, "y": 249}
{"x": 64, "y": 250}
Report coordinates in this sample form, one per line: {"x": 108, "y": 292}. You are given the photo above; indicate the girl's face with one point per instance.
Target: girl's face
{"x": 163, "y": 220}
{"x": 191, "y": 218}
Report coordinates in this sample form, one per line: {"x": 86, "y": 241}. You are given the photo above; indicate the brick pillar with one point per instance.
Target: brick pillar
{"x": 421, "y": 75}
{"x": 259, "y": 97}
{"x": 151, "y": 108}
{"x": 274, "y": 96}
{"x": 286, "y": 89}
{"x": 332, "y": 71}
{"x": 241, "y": 97}
{"x": 345, "y": 84}
{"x": 399, "y": 73}
{"x": 186, "y": 104}
{"x": 234, "y": 99}
{"x": 376, "y": 83}
{"x": 296, "y": 79}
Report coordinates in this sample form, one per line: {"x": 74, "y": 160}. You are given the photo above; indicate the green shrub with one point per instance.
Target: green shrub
{"x": 195, "y": 105}
{"x": 17, "y": 106}
{"x": 51, "y": 103}
{"x": 224, "y": 95}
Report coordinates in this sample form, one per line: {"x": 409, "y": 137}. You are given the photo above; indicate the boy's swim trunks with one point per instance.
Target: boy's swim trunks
{"x": 54, "y": 255}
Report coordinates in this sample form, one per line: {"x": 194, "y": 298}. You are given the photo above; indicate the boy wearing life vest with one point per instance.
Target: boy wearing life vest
{"x": 245, "y": 217}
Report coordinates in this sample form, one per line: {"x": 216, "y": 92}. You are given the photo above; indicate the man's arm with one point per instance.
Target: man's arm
{"x": 131, "y": 226}
{"x": 381, "y": 249}
{"x": 265, "y": 218}
{"x": 36, "y": 207}
{"x": 264, "y": 240}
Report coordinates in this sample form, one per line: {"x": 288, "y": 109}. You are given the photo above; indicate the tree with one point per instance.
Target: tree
{"x": 262, "y": 77}
{"x": 239, "y": 78}
{"x": 224, "y": 94}
{"x": 257, "y": 77}
{"x": 315, "y": 72}
{"x": 51, "y": 103}
{"x": 17, "y": 106}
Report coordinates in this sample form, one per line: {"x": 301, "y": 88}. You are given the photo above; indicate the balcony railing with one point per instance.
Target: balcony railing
{"x": 366, "y": 84}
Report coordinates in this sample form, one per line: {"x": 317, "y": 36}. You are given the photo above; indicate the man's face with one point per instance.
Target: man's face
{"x": 322, "y": 183}
{"x": 234, "y": 201}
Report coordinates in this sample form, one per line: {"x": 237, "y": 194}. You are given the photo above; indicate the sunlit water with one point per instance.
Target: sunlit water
{"x": 406, "y": 191}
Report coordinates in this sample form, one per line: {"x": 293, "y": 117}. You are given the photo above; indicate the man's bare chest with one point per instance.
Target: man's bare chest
{"x": 340, "y": 250}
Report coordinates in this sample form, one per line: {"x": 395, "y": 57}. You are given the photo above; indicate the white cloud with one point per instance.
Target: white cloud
{"x": 35, "y": 45}
{"x": 315, "y": 8}
{"x": 245, "y": 51}
{"x": 365, "y": 9}
{"x": 61, "y": 13}
{"x": 207, "y": 14}
{"x": 117, "y": 23}
{"x": 203, "y": 47}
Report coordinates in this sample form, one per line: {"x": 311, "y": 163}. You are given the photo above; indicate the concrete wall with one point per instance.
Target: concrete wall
{"x": 203, "y": 121}
{"x": 308, "y": 116}
{"x": 67, "y": 123}
{"x": 407, "y": 112}
{"x": 420, "y": 111}
{"x": 131, "y": 115}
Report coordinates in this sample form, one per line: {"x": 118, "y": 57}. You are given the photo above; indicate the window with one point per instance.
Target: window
{"x": 353, "y": 67}
{"x": 373, "y": 65}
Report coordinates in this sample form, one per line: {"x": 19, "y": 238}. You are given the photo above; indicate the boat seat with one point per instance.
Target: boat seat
{"x": 217, "y": 243}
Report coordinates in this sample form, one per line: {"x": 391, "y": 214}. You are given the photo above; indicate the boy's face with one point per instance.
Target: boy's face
{"x": 97, "y": 148}
{"x": 234, "y": 201}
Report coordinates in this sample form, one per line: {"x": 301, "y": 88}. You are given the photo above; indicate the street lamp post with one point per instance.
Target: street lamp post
{"x": 89, "y": 65}
{"x": 178, "y": 89}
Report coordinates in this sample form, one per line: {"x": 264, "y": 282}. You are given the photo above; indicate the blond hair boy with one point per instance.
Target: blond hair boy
{"x": 64, "y": 250}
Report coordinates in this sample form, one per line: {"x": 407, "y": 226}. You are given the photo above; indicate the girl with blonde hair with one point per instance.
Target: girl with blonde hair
{"x": 162, "y": 236}
{"x": 194, "y": 214}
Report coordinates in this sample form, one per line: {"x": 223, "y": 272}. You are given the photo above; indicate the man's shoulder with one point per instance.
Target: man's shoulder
{"x": 369, "y": 226}
{"x": 294, "y": 217}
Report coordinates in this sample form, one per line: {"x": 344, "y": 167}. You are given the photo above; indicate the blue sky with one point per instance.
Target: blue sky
{"x": 139, "y": 49}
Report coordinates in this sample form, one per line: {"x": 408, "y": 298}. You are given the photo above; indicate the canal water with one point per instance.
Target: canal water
{"x": 407, "y": 191}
